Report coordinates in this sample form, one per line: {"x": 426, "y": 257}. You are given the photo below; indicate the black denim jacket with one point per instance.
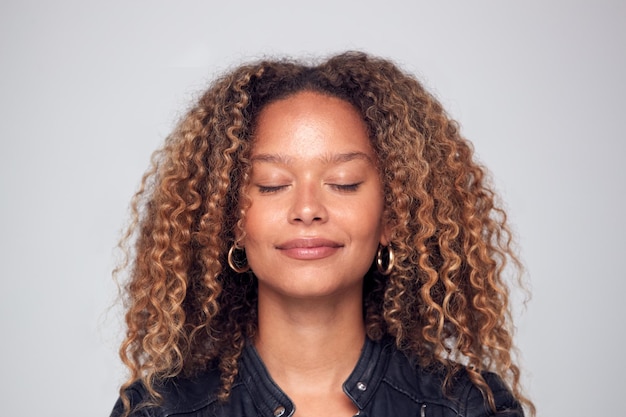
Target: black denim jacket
{"x": 384, "y": 383}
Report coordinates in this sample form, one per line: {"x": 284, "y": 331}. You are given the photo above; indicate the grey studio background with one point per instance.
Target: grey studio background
{"x": 89, "y": 89}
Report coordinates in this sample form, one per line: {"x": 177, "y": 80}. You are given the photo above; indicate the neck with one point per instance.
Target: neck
{"x": 313, "y": 343}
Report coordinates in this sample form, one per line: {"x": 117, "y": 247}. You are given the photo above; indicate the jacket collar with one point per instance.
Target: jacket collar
{"x": 360, "y": 386}
{"x": 268, "y": 398}
{"x": 369, "y": 371}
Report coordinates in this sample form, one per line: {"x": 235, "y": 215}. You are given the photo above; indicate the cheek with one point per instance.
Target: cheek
{"x": 259, "y": 223}
{"x": 365, "y": 227}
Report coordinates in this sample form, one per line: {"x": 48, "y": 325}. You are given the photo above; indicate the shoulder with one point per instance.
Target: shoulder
{"x": 460, "y": 398}
{"x": 473, "y": 403}
{"x": 179, "y": 395}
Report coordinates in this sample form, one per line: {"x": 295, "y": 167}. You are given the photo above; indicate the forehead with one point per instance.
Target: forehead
{"x": 310, "y": 123}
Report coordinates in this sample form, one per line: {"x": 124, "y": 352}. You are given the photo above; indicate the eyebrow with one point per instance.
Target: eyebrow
{"x": 335, "y": 158}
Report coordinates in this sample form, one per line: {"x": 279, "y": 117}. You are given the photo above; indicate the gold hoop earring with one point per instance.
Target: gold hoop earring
{"x": 233, "y": 265}
{"x": 390, "y": 260}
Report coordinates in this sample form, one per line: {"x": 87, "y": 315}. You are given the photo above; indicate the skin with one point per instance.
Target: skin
{"x": 311, "y": 234}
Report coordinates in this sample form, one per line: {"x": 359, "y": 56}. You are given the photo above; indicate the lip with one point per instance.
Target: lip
{"x": 309, "y": 248}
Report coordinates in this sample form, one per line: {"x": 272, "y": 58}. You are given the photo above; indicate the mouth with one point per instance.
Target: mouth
{"x": 309, "y": 248}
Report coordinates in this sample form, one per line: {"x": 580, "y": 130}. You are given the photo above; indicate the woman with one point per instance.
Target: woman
{"x": 318, "y": 239}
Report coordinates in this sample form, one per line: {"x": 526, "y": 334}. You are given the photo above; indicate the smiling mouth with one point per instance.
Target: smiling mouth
{"x": 309, "y": 249}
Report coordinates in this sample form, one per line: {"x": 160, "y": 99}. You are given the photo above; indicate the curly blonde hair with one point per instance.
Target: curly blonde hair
{"x": 445, "y": 302}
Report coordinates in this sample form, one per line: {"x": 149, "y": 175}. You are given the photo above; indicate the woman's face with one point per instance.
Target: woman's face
{"x": 315, "y": 219}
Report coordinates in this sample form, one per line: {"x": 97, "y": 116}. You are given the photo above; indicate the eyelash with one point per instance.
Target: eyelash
{"x": 346, "y": 187}
{"x": 268, "y": 189}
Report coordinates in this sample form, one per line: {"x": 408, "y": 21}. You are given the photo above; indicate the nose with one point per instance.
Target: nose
{"x": 308, "y": 206}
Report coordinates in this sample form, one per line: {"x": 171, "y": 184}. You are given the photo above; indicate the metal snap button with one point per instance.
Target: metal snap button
{"x": 361, "y": 386}
{"x": 279, "y": 411}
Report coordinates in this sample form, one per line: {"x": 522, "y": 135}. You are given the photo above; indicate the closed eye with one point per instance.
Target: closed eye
{"x": 267, "y": 189}
{"x": 346, "y": 187}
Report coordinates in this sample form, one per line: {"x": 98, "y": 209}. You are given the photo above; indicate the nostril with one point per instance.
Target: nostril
{"x": 308, "y": 209}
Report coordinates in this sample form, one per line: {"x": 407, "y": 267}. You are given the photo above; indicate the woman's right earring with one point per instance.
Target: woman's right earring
{"x": 233, "y": 264}
{"x": 390, "y": 260}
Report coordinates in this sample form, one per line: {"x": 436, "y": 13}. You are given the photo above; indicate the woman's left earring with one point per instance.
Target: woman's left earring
{"x": 234, "y": 265}
{"x": 380, "y": 263}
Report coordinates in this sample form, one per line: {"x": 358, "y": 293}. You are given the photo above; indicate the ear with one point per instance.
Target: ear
{"x": 240, "y": 238}
{"x": 385, "y": 234}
